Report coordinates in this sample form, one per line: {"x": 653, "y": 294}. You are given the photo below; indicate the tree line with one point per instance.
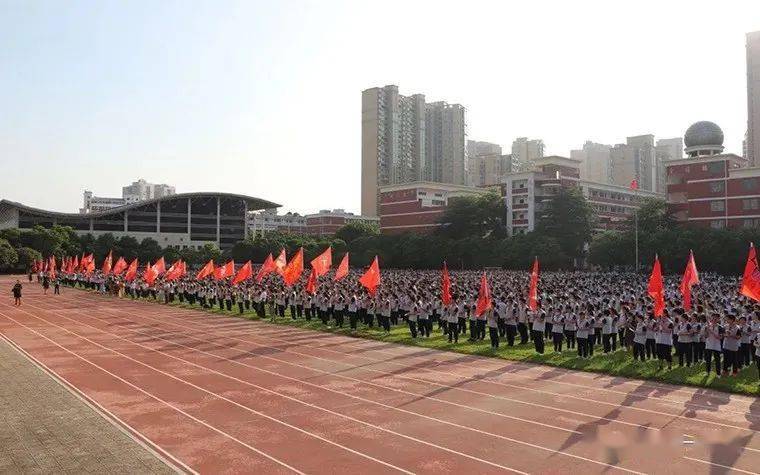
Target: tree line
{"x": 472, "y": 235}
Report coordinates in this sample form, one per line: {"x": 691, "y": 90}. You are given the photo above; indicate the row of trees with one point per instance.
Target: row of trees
{"x": 473, "y": 236}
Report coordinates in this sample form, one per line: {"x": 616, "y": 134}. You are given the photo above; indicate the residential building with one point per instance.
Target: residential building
{"x": 417, "y": 207}
{"x": 328, "y": 222}
{"x": 139, "y": 190}
{"x": 712, "y": 188}
{"x": 753, "y": 99}
{"x": 594, "y": 161}
{"x": 268, "y": 220}
{"x": 486, "y": 165}
{"x": 180, "y": 220}
{"x": 525, "y": 152}
{"x": 636, "y": 159}
{"x": 529, "y": 194}
{"x": 405, "y": 139}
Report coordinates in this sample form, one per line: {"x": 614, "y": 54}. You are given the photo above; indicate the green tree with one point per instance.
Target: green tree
{"x": 8, "y": 256}
{"x": 209, "y": 251}
{"x": 654, "y": 215}
{"x": 357, "y": 229}
{"x": 567, "y": 217}
{"x": 480, "y": 215}
{"x": 149, "y": 250}
{"x": 27, "y": 256}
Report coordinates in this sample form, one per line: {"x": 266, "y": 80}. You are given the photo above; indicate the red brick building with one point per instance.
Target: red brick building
{"x": 418, "y": 206}
{"x": 328, "y": 222}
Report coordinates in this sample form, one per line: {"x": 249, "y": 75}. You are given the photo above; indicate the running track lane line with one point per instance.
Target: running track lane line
{"x": 719, "y": 465}
{"x": 143, "y": 440}
{"x": 502, "y": 467}
{"x": 322, "y": 388}
{"x": 328, "y": 373}
{"x": 232, "y": 361}
{"x": 460, "y": 376}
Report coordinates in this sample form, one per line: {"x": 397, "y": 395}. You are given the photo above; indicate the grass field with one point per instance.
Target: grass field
{"x": 619, "y": 363}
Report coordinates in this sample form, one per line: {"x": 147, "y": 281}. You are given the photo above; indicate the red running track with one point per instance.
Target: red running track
{"x": 216, "y": 394}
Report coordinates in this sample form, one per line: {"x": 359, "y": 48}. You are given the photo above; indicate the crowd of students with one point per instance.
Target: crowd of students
{"x": 583, "y": 312}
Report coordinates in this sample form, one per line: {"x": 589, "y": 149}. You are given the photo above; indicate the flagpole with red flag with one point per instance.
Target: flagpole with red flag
{"x": 484, "y": 302}
{"x": 371, "y": 279}
{"x": 323, "y": 262}
{"x": 750, "y": 286}
{"x": 656, "y": 288}
{"x": 533, "y": 290}
{"x": 342, "y": 269}
{"x": 445, "y": 285}
{"x": 690, "y": 277}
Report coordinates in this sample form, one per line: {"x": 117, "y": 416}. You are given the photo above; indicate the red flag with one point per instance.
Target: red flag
{"x": 119, "y": 267}
{"x": 445, "y": 286}
{"x": 656, "y": 288}
{"x": 174, "y": 272}
{"x": 75, "y": 264}
{"x": 150, "y": 274}
{"x": 533, "y": 291}
{"x": 484, "y": 297}
{"x": 634, "y": 184}
{"x": 244, "y": 273}
{"x": 750, "y": 286}
{"x": 107, "y": 263}
{"x": 323, "y": 262}
{"x": 52, "y": 267}
{"x": 293, "y": 270}
{"x": 371, "y": 279}
{"x": 265, "y": 269}
{"x": 90, "y": 267}
{"x": 280, "y": 262}
{"x": 183, "y": 270}
{"x": 131, "y": 271}
{"x": 227, "y": 270}
{"x": 311, "y": 284}
{"x": 207, "y": 270}
{"x": 690, "y": 277}
{"x": 160, "y": 266}
{"x": 342, "y": 269}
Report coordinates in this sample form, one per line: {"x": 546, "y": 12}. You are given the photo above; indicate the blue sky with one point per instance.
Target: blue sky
{"x": 263, "y": 98}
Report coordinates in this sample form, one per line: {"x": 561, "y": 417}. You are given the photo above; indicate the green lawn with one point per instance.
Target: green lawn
{"x": 619, "y": 363}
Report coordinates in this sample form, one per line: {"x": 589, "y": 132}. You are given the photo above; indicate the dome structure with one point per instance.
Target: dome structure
{"x": 703, "y": 138}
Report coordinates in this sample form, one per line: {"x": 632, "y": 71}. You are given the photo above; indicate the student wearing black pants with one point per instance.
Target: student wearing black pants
{"x": 511, "y": 331}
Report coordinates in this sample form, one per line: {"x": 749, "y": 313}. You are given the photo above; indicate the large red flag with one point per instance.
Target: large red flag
{"x": 311, "y": 284}
{"x": 656, "y": 288}
{"x": 160, "y": 266}
{"x": 280, "y": 262}
{"x": 484, "y": 297}
{"x": 293, "y": 270}
{"x": 690, "y": 277}
{"x": 207, "y": 270}
{"x": 150, "y": 274}
{"x": 342, "y": 269}
{"x": 174, "y": 272}
{"x": 107, "y": 263}
{"x": 227, "y": 270}
{"x": 371, "y": 279}
{"x": 323, "y": 262}
{"x": 244, "y": 273}
{"x": 131, "y": 271}
{"x": 445, "y": 286}
{"x": 750, "y": 286}
{"x": 90, "y": 267}
{"x": 52, "y": 267}
{"x": 75, "y": 264}
{"x": 265, "y": 269}
{"x": 533, "y": 291}
{"x": 119, "y": 267}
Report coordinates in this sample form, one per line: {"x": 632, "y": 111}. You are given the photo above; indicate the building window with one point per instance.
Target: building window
{"x": 717, "y": 224}
{"x": 717, "y": 206}
{"x": 749, "y": 184}
{"x": 751, "y": 203}
{"x": 717, "y": 186}
{"x": 715, "y": 167}
{"x": 751, "y": 223}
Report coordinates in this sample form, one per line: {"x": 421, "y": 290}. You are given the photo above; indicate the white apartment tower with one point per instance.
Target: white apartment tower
{"x": 752, "y": 140}
{"x": 594, "y": 161}
{"x": 397, "y": 131}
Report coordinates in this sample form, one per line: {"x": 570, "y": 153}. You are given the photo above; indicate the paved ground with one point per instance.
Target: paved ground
{"x": 221, "y": 394}
{"x": 44, "y": 428}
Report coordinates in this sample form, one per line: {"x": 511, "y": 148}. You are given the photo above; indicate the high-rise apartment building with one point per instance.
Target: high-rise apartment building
{"x": 404, "y": 139}
{"x": 636, "y": 159}
{"x": 753, "y": 99}
{"x": 525, "y": 152}
{"x": 141, "y": 190}
{"x": 594, "y": 161}
{"x": 486, "y": 165}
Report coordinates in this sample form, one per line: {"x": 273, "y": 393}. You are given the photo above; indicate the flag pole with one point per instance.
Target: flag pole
{"x": 636, "y": 236}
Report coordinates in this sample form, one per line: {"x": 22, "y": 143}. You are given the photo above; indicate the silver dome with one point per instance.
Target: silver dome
{"x": 703, "y": 133}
